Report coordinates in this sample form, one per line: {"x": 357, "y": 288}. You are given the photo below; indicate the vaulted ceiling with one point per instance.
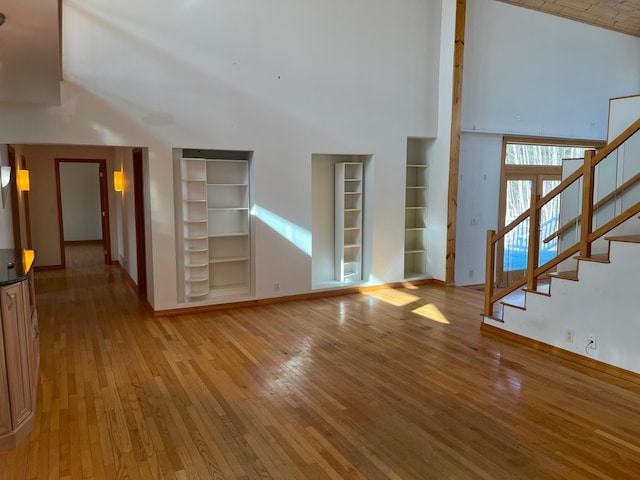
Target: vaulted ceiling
{"x": 30, "y": 40}
{"x": 618, "y": 15}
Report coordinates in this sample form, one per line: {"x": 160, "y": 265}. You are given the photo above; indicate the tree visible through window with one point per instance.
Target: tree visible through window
{"x": 532, "y": 167}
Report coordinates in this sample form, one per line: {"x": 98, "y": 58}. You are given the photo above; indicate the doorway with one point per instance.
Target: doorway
{"x": 83, "y": 207}
{"x": 138, "y": 194}
{"x": 530, "y": 167}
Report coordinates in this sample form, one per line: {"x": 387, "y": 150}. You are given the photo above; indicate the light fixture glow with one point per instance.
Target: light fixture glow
{"x": 23, "y": 181}
{"x": 118, "y": 181}
{"x": 28, "y": 256}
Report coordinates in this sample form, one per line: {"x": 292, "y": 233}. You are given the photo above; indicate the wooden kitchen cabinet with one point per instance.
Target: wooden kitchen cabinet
{"x": 19, "y": 357}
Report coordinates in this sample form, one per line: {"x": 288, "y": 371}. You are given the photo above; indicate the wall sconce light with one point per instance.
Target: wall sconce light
{"x": 118, "y": 181}
{"x": 23, "y": 181}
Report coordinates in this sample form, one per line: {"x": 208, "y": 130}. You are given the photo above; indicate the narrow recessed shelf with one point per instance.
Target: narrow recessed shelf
{"x": 197, "y": 279}
{"x": 416, "y": 187}
{"x": 227, "y": 185}
{"x": 228, "y": 208}
{"x": 230, "y": 234}
{"x": 228, "y": 259}
{"x": 348, "y": 221}
{"x": 197, "y": 294}
{"x": 195, "y": 265}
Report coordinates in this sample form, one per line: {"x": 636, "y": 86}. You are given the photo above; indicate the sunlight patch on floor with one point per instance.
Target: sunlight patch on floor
{"x": 431, "y": 312}
{"x": 397, "y": 298}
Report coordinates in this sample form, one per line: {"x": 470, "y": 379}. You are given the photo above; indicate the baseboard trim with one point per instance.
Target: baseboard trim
{"x": 561, "y": 353}
{"x": 45, "y": 268}
{"x": 287, "y": 298}
{"x": 82, "y": 242}
{"x": 128, "y": 278}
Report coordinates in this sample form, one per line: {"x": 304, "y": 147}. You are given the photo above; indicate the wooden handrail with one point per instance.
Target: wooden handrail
{"x": 489, "y": 281}
{"x": 616, "y": 142}
{"x": 534, "y": 246}
{"x": 558, "y": 259}
{"x": 511, "y": 288}
{"x": 596, "y": 206}
{"x": 587, "y": 237}
{"x": 513, "y": 224}
{"x": 563, "y": 185}
{"x": 587, "y": 203}
{"x": 610, "y": 225}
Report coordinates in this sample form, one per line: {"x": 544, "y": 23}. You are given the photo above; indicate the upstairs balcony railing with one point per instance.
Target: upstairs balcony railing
{"x": 588, "y": 204}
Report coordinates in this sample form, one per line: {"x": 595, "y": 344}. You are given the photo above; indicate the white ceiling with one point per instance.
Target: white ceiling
{"x": 29, "y": 52}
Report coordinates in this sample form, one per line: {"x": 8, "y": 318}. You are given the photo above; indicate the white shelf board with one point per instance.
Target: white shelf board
{"x": 230, "y": 234}
{"x": 228, "y": 259}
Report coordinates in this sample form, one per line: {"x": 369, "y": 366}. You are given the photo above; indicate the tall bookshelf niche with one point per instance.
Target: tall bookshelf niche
{"x": 342, "y": 233}
{"x": 416, "y": 209}
{"x": 348, "y": 221}
{"x": 214, "y": 223}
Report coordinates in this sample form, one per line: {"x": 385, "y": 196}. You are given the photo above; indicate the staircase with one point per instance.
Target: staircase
{"x": 586, "y": 300}
{"x": 601, "y": 299}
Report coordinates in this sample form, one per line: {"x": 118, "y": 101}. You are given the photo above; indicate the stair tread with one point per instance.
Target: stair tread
{"x": 595, "y": 257}
{"x": 567, "y": 275}
{"x": 537, "y": 292}
{"x": 625, "y": 238}
{"x": 513, "y": 305}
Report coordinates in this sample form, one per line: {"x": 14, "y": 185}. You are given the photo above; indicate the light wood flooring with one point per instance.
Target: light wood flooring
{"x": 395, "y": 384}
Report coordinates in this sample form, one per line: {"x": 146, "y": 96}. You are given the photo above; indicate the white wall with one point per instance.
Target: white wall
{"x": 622, "y": 113}
{"x": 80, "y": 199}
{"x": 528, "y": 73}
{"x": 283, "y": 79}
{"x": 439, "y": 151}
{"x": 6, "y": 219}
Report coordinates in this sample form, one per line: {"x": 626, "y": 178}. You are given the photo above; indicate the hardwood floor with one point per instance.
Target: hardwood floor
{"x": 396, "y": 384}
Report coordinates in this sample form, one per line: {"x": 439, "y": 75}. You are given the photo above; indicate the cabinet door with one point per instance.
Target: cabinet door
{"x": 16, "y": 325}
{"x": 32, "y": 333}
{"x": 5, "y": 408}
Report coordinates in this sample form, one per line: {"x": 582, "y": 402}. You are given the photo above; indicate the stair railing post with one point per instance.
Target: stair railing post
{"x": 586, "y": 221}
{"x": 534, "y": 244}
{"x": 489, "y": 274}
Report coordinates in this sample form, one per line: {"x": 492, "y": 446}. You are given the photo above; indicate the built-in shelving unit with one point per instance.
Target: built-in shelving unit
{"x": 216, "y": 226}
{"x": 348, "y": 221}
{"x": 415, "y": 234}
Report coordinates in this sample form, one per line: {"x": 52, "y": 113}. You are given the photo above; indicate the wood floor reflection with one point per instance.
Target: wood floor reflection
{"x": 393, "y": 384}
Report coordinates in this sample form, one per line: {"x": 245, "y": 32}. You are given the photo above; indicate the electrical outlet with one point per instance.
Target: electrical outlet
{"x": 569, "y": 336}
{"x": 592, "y": 342}
{"x": 276, "y": 287}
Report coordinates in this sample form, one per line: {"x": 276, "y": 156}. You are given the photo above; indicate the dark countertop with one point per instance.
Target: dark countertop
{"x": 15, "y": 265}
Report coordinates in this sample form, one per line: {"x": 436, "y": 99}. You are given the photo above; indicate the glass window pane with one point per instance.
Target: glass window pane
{"x": 524, "y": 154}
